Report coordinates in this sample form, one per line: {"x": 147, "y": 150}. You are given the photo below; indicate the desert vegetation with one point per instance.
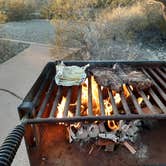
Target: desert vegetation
{"x": 108, "y": 28}
{"x": 15, "y": 10}
{"x": 102, "y": 29}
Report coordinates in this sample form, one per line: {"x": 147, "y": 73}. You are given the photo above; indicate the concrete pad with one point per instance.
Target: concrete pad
{"x": 18, "y": 75}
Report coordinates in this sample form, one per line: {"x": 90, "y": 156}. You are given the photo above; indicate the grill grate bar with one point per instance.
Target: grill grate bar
{"x": 101, "y": 103}
{"x": 124, "y": 103}
{"x": 67, "y": 104}
{"x": 48, "y": 95}
{"x": 161, "y": 73}
{"x": 158, "y": 78}
{"x": 90, "y": 113}
{"x": 95, "y": 118}
{"x": 156, "y": 85}
{"x": 158, "y": 101}
{"x": 55, "y": 104}
{"x": 78, "y": 107}
{"x": 148, "y": 103}
{"x": 115, "y": 110}
{"x": 137, "y": 106}
{"x": 41, "y": 88}
{"x": 164, "y": 69}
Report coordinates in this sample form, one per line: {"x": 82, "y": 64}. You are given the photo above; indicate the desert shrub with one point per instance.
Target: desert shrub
{"x": 125, "y": 22}
{"x": 15, "y": 10}
{"x": 3, "y": 17}
{"x": 19, "y": 10}
{"x": 121, "y": 25}
{"x": 70, "y": 9}
{"x": 114, "y": 3}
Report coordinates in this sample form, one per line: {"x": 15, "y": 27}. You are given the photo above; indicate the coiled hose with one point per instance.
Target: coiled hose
{"x": 10, "y": 145}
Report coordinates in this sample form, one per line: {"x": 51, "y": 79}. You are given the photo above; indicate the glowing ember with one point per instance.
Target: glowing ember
{"x": 112, "y": 125}
{"x": 108, "y": 111}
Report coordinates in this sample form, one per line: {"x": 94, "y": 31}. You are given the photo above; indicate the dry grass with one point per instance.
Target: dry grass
{"x": 122, "y": 24}
{"x": 126, "y": 22}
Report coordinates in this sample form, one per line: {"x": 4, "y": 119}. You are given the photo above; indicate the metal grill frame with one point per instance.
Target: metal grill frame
{"x": 31, "y": 101}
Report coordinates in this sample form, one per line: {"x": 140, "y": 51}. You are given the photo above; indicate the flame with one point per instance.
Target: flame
{"x": 85, "y": 92}
{"x": 61, "y": 108}
{"x": 95, "y": 97}
{"x": 117, "y": 98}
{"x": 108, "y": 111}
{"x": 131, "y": 87}
{"x": 112, "y": 125}
{"x": 140, "y": 100}
{"x": 126, "y": 92}
{"x": 84, "y": 98}
{"x": 70, "y": 114}
{"x": 95, "y": 103}
{"x": 108, "y": 107}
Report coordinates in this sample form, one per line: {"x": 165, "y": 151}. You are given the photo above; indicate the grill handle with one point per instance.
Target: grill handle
{"x": 10, "y": 145}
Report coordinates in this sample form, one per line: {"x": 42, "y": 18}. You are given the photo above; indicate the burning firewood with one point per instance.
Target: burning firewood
{"x": 97, "y": 135}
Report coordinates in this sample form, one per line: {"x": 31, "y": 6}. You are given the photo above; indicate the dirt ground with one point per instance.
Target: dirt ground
{"x": 54, "y": 149}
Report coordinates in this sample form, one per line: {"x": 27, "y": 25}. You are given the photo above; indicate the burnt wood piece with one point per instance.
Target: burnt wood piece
{"x": 107, "y": 77}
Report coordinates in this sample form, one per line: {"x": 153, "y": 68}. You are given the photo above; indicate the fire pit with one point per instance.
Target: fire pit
{"x": 55, "y": 114}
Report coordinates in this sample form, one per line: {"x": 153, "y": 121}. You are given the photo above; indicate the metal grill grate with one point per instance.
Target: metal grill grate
{"x": 46, "y": 95}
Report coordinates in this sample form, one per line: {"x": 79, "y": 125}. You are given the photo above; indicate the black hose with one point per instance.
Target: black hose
{"x": 12, "y": 93}
{"x": 10, "y": 145}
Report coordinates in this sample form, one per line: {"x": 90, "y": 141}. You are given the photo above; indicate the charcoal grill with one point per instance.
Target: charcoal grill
{"x": 43, "y": 99}
{"x": 39, "y": 107}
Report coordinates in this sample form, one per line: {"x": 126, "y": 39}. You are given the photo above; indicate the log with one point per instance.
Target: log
{"x": 129, "y": 147}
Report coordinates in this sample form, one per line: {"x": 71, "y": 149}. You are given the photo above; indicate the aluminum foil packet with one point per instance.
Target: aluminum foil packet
{"x": 70, "y": 75}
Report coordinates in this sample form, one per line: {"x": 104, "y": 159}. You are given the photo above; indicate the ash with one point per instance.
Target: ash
{"x": 102, "y": 134}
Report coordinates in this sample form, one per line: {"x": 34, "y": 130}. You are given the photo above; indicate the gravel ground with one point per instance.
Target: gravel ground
{"x": 40, "y": 31}
{"x": 10, "y": 49}
{"x": 34, "y": 31}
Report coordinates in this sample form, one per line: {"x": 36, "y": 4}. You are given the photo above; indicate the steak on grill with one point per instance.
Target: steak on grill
{"x": 108, "y": 78}
{"x": 133, "y": 76}
{"x": 118, "y": 75}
